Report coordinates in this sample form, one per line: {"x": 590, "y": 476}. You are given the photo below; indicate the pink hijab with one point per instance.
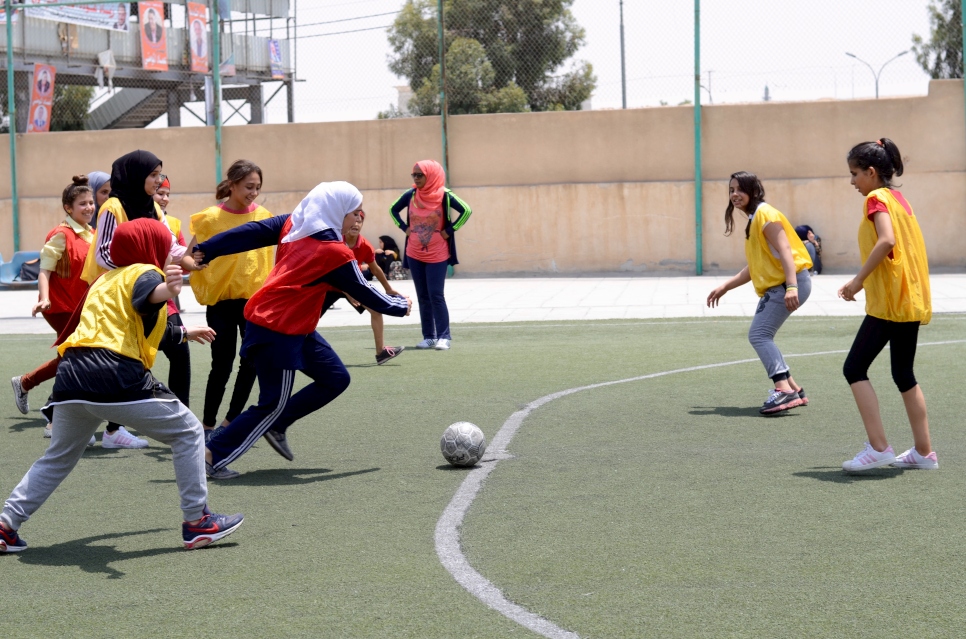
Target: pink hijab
{"x": 431, "y": 195}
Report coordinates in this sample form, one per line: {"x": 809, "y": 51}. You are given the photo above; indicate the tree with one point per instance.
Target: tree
{"x": 942, "y": 55}
{"x": 501, "y": 56}
{"x": 69, "y": 111}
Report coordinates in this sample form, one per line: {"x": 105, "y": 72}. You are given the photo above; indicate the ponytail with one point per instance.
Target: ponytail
{"x": 882, "y": 155}
{"x": 237, "y": 172}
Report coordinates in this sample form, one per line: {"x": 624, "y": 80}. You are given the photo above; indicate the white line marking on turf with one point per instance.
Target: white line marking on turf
{"x": 447, "y": 533}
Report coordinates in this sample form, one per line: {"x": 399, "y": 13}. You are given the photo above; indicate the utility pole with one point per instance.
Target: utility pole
{"x": 623, "y": 66}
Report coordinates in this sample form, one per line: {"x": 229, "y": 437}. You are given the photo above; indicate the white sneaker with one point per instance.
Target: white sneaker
{"x": 92, "y": 442}
{"x": 48, "y": 431}
{"x": 121, "y": 438}
{"x": 426, "y": 344}
{"x": 912, "y": 459}
{"x": 442, "y": 344}
{"x": 19, "y": 395}
{"x": 869, "y": 458}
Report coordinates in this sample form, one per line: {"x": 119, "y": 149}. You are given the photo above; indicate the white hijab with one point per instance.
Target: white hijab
{"x": 325, "y": 207}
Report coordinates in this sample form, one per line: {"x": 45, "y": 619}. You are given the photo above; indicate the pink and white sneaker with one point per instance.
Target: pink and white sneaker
{"x": 912, "y": 459}
{"x": 869, "y": 458}
{"x": 121, "y": 438}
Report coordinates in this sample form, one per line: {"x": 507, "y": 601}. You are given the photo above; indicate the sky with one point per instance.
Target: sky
{"x": 796, "y": 49}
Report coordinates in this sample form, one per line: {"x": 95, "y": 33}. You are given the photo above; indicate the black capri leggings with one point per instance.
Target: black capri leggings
{"x": 872, "y": 337}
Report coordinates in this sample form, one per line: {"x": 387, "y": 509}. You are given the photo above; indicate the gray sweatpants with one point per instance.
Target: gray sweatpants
{"x": 169, "y": 422}
{"x": 769, "y": 317}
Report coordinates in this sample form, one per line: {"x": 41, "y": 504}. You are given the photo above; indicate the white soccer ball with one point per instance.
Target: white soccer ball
{"x": 463, "y": 444}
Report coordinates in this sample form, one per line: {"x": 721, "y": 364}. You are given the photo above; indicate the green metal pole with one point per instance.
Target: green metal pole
{"x": 216, "y": 82}
{"x": 12, "y": 115}
{"x": 698, "y": 192}
{"x": 442, "y": 85}
{"x": 962, "y": 20}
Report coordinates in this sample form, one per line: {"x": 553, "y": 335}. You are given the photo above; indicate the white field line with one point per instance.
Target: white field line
{"x": 447, "y": 533}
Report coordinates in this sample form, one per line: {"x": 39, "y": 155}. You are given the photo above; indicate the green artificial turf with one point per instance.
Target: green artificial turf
{"x": 658, "y": 508}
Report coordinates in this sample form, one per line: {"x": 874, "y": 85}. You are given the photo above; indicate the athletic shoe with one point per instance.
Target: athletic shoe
{"x": 426, "y": 344}
{"x": 20, "y": 395}
{"x": 10, "y": 541}
{"x": 780, "y": 400}
{"x": 442, "y": 344}
{"x": 801, "y": 396}
{"x": 388, "y": 353}
{"x": 210, "y": 529}
{"x": 48, "y": 431}
{"x": 93, "y": 441}
{"x": 121, "y": 438}
{"x": 277, "y": 441}
{"x": 912, "y": 459}
{"x": 221, "y": 473}
{"x": 869, "y": 458}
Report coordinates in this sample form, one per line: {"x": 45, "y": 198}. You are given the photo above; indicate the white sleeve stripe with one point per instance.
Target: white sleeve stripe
{"x": 104, "y": 237}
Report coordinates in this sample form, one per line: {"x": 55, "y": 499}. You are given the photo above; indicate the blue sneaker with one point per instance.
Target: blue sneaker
{"x": 10, "y": 541}
{"x": 210, "y": 529}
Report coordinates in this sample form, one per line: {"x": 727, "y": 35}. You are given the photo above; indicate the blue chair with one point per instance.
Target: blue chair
{"x": 10, "y": 271}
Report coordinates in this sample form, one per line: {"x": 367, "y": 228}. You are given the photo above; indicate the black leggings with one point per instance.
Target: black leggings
{"x": 179, "y": 369}
{"x": 227, "y": 317}
{"x": 872, "y": 337}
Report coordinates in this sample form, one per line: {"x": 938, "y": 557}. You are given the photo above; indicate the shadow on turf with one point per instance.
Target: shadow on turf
{"x": 95, "y": 558}
{"x": 836, "y": 475}
{"x": 736, "y": 411}
{"x": 20, "y": 424}
{"x": 283, "y": 477}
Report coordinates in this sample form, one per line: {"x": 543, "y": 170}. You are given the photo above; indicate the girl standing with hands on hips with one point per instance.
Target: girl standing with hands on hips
{"x": 430, "y": 245}
{"x": 778, "y": 266}
{"x": 895, "y": 276}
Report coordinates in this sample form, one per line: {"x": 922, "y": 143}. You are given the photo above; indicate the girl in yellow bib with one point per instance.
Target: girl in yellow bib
{"x": 778, "y": 265}
{"x": 895, "y": 276}
{"x": 225, "y": 286}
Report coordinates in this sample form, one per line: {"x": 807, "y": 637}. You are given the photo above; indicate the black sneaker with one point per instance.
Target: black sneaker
{"x": 10, "y": 541}
{"x": 221, "y": 473}
{"x": 277, "y": 441}
{"x": 210, "y": 529}
{"x": 779, "y": 400}
{"x": 801, "y": 396}
{"x": 388, "y": 353}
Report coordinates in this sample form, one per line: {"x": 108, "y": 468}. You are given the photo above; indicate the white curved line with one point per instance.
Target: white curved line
{"x": 447, "y": 533}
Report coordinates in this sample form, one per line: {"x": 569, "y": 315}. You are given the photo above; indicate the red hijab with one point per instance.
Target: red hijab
{"x": 141, "y": 241}
{"x": 431, "y": 195}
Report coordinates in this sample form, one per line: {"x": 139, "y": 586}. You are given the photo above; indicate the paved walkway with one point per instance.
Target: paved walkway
{"x": 557, "y": 299}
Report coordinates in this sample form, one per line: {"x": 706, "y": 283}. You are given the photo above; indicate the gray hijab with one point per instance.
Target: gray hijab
{"x": 95, "y": 180}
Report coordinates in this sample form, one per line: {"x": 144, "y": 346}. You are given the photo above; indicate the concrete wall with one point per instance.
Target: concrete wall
{"x": 573, "y": 192}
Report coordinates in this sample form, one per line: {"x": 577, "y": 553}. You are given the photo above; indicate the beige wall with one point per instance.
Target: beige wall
{"x": 574, "y": 192}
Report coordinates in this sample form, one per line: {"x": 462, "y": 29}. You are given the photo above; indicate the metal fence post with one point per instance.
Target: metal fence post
{"x": 216, "y": 82}
{"x": 442, "y": 85}
{"x": 698, "y": 193}
{"x": 12, "y": 131}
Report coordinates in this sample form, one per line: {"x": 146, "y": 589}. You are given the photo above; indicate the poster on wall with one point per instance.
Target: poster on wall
{"x": 198, "y": 37}
{"x": 99, "y": 16}
{"x": 41, "y": 98}
{"x": 154, "y": 44}
{"x": 275, "y": 59}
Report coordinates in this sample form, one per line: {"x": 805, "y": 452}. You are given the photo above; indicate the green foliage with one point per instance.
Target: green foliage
{"x": 71, "y": 105}
{"x": 942, "y": 55}
{"x": 501, "y": 56}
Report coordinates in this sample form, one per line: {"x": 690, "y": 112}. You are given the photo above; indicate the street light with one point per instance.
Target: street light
{"x": 874, "y": 74}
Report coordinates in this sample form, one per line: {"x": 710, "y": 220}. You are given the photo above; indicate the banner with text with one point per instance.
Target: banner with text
{"x": 198, "y": 36}
{"x": 41, "y": 98}
{"x": 99, "y": 16}
{"x": 154, "y": 44}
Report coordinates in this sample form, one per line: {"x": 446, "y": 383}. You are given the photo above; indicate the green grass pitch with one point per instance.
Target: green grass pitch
{"x": 658, "y": 508}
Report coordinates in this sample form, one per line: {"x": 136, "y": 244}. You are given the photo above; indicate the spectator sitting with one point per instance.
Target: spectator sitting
{"x": 813, "y": 244}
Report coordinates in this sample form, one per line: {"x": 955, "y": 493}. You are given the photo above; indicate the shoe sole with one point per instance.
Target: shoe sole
{"x": 4, "y": 548}
{"x": 787, "y": 405}
{"x": 206, "y": 540}
{"x": 223, "y": 477}
{"x": 118, "y": 446}
{"x": 878, "y": 464}
{"x": 277, "y": 448}
{"x": 17, "y": 393}
{"x": 914, "y": 466}
{"x": 393, "y": 356}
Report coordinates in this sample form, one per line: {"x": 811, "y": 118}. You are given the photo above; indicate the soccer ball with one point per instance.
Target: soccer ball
{"x": 463, "y": 444}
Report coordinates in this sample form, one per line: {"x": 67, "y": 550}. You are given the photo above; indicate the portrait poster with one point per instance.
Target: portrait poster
{"x": 198, "y": 36}
{"x": 41, "y": 98}
{"x": 275, "y": 59}
{"x": 154, "y": 44}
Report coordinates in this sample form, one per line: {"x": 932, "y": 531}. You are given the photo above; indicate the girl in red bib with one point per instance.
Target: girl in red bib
{"x": 60, "y": 285}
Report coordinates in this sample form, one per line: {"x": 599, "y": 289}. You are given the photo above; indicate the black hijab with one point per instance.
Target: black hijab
{"x": 128, "y": 174}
